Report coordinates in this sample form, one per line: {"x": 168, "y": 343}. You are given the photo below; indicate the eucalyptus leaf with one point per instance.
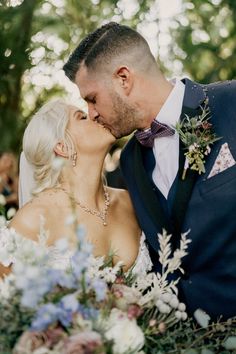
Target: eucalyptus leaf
{"x": 207, "y": 351}
{"x": 191, "y": 351}
{"x": 230, "y": 343}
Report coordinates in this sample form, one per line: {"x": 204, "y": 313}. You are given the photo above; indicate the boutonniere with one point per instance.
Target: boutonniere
{"x": 197, "y": 135}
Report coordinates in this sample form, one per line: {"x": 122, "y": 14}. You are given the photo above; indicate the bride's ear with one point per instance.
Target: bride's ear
{"x": 61, "y": 149}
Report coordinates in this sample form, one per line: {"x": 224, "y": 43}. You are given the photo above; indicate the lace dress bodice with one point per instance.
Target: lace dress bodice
{"x": 11, "y": 244}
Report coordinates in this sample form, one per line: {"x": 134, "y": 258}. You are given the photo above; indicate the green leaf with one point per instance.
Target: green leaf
{"x": 230, "y": 343}
{"x": 206, "y": 351}
{"x": 190, "y": 351}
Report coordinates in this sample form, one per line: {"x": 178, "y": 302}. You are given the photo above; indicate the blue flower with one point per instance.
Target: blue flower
{"x": 79, "y": 263}
{"x": 65, "y": 317}
{"x": 81, "y": 233}
{"x": 68, "y": 306}
{"x": 33, "y": 290}
{"x": 100, "y": 288}
{"x": 88, "y": 313}
{"x": 46, "y": 315}
{"x": 68, "y": 281}
{"x": 69, "y": 303}
{"x": 62, "y": 278}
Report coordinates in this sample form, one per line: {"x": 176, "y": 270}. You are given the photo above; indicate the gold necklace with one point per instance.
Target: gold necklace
{"x": 100, "y": 214}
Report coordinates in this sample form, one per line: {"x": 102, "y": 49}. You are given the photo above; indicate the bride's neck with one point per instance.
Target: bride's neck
{"x": 85, "y": 182}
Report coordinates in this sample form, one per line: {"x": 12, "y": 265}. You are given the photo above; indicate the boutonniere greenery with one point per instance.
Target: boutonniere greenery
{"x": 197, "y": 135}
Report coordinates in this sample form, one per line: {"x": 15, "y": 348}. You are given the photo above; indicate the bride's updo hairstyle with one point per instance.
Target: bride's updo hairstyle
{"x": 44, "y": 131}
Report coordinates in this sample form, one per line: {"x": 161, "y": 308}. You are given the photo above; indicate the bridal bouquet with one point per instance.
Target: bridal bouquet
{"x": 89, "y": 307}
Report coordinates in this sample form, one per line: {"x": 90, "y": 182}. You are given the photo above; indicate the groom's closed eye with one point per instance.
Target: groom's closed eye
{"x": 90, "y": 99}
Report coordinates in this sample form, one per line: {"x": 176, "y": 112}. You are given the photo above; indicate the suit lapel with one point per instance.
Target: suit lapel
{"x": 183, "y": 193}
{"x": 191, "y": 107}
{"x": 150, "y": 200}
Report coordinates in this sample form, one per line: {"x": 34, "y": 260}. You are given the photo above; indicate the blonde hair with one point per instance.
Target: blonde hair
{"x": 44, "y": 131}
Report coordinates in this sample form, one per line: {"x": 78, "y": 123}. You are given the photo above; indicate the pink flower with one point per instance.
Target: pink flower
{"x": 125, "y": 296}
{"x": 35, "y": 340}
{"x": 84, "y": 343}
{"x": 134, "y": 311}
{"x": 29, "y": 340}
{"x": 53, "y": 336}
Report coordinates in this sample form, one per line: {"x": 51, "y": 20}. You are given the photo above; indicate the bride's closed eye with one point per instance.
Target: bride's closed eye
{"x": 81, "y": 115}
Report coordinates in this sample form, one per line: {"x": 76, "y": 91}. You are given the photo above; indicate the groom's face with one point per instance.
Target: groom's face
{"x": 105, "y": 104}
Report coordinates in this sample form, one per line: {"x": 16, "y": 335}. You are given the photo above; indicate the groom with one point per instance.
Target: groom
{"x": 126, "y": 91}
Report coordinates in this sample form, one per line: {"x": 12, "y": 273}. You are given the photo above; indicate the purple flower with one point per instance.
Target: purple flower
{"x": 46, "y": 315}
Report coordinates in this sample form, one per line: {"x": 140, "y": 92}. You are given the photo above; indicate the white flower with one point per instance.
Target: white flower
{"x": 208, "y": 150}
{"x": 85, "y": 325}
{"x": 128, "y": 296}
{"x": 11, "y": 212}
{"x": 178, "y": 315}
{"x": 108, "y": 274}
{"x": 2, "y": 221}
{"x": 202, "y": 318}
{"x": 7, "y": 286}
{"x": 125, "y": 333}
{"x": 174, "y": 302}
{"x": 164, "y": 308}
{"x": 182, "y": 306}
{"x": 193, "y": 147}
{"x": 2, "y": 200}
{"x": 166, "y": 297}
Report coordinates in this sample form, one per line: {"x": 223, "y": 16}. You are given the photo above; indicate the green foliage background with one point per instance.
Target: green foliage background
{"x": 203, "y": 45}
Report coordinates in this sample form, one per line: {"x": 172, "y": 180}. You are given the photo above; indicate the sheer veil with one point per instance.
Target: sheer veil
{"x": 26, "y": 180}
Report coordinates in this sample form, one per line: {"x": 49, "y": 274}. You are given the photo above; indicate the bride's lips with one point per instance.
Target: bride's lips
{"x": 105, "y": 127}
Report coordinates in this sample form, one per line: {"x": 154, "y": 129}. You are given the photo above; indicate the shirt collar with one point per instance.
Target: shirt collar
{"x": 171, "y": 110}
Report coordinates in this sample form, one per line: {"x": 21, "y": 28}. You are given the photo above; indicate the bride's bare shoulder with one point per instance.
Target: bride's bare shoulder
{"x": 27, "y": 219}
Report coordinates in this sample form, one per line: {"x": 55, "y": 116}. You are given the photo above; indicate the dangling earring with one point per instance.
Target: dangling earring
{"x": 74, "y": 158}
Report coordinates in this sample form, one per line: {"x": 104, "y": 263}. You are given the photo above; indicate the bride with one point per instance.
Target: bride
{"x": 64, "y": 131}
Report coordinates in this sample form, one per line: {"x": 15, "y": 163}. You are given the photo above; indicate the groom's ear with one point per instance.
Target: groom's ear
{"x": 125, "y": 78}
{"x": 61, "y": 149}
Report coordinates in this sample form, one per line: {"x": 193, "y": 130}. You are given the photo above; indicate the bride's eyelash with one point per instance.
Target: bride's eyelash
{"x": 81, "y": 115}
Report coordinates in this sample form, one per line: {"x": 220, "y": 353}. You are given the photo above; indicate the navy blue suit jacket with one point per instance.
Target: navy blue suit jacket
{"x": 205, "y": 206}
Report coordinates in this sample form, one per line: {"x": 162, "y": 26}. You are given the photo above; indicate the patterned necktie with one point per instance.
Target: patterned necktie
{"x": 157, "y": 130}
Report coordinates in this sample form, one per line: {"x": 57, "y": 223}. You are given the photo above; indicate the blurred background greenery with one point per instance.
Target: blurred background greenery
{"x": 36, "y": 37}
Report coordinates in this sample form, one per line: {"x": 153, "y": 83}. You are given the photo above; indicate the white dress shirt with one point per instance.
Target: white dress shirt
{"x": 166, "y": 149}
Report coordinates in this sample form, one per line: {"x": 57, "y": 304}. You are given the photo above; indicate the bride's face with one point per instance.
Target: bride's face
{"x": 87, "y": 134}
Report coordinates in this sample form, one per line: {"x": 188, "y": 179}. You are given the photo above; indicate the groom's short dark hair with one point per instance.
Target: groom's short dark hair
{"x": 104, "y": 44}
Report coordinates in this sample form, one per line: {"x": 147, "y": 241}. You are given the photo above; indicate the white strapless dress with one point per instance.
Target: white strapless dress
{"x": 11, "y": 244}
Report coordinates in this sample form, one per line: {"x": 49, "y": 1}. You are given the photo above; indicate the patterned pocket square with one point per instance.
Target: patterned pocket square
{"x": 223, "y": 161}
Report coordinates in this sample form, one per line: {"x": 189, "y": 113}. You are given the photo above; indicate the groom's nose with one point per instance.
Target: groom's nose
{"x": 93, "y": 114}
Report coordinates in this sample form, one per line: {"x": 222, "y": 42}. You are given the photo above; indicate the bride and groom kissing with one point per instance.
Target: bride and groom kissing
{"x": 126, "y": 91}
